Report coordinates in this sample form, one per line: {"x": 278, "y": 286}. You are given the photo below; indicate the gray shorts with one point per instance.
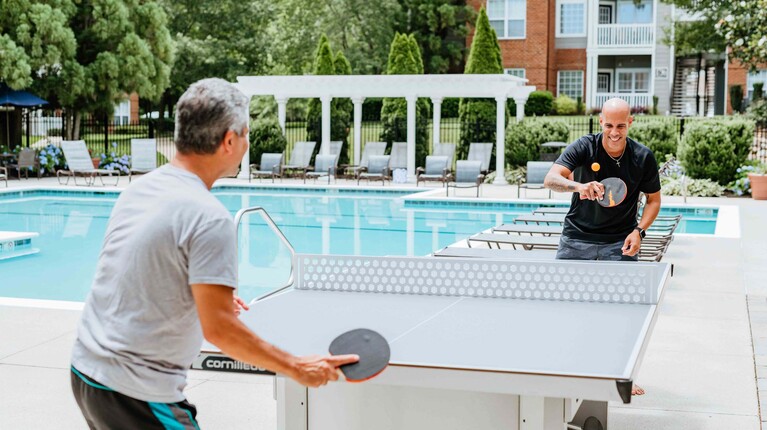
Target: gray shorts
{"x": 574, "y": 249}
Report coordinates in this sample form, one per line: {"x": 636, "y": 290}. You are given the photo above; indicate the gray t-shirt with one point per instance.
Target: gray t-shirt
{"x": 139, "y": 330}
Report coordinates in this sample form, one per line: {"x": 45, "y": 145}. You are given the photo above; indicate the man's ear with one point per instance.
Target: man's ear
{"x": 227, "y": 143}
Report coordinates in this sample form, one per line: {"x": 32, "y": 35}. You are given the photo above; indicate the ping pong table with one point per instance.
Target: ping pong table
{"x": 475, "y": 343}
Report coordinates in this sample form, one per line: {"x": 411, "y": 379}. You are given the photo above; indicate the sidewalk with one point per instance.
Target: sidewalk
{"x": 700, "y": 370}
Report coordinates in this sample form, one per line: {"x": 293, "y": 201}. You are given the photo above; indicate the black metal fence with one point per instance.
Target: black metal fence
{"x": 103, "y": 136}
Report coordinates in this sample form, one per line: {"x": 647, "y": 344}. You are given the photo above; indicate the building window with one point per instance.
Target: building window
{"x": 634, "y": 81}
{"x": 520, "y": 73}
{"x": 571, "y": 18}
{"x": 633, "y": 12}
{"x": 508, "y": 18}
{"x": 756, "y": 77}
{"x": 570, "y": 83}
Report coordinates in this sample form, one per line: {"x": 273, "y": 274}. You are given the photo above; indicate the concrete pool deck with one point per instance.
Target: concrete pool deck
{"x": 705, "y": 367}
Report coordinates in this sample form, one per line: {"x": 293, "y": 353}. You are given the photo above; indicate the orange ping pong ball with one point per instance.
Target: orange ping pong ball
{"x": 595, "y": 167}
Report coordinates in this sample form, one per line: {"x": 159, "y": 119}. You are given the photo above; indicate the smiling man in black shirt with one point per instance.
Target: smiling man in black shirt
{"x": 591, "y": 231}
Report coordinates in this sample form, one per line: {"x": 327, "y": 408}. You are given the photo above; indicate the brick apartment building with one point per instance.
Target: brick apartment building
{"x": 599, "y": 49}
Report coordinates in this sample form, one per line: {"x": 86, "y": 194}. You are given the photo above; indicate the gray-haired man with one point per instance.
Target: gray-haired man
{"x": 165, "y": 279}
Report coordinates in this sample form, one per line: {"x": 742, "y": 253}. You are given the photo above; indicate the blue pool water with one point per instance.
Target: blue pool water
{"x": 72, "y": 226}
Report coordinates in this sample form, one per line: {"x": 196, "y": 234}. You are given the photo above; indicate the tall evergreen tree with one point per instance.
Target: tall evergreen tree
{"x": 477, "y": 116}
{"x": 342, "y": 110}
{"x": 324, "y": 64}
{"x": 405, "y": 59}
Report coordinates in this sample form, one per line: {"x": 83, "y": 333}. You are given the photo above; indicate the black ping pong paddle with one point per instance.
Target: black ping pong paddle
{"x": 615, "y": 192}
{"x": 371, "y": 347}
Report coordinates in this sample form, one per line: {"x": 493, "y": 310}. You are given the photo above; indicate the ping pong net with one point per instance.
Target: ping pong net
{"x": 564, "y": 280}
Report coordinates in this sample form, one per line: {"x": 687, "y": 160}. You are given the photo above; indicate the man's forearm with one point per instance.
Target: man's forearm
{"x": 560, "y": 184}
{"x": 649, "y": 213}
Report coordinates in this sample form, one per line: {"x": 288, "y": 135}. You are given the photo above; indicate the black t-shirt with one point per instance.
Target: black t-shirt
{"x": 589, "y": 221}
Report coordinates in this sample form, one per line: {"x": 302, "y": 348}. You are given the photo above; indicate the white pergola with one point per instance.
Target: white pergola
{"x": 411, "y": 87}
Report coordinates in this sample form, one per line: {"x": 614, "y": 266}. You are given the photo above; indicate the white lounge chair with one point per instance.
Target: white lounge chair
{"x": 268, "y": 168}
{"x": 143, "y": 153}
{"x": 536, "y": 173}
{"x": 4, "y": 175}
{"x": 370, "y": 149}
{"x": 437, "y": 169}
{"x": 79, "y": 163}
{"x": 447, "y": 149}
{"x": 300, "y": 157}
{"x": 467, "y": 175}
{"x": 481, "y": 152}
{"x": 325, "y": 165}
{"x": 378, "y": 168}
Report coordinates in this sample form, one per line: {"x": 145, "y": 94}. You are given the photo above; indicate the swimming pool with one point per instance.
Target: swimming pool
{"x": 359, "y": 222}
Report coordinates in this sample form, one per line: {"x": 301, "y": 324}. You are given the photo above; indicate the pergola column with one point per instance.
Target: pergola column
{"x": 436, "y": 103}
{"x": 282, "y": 107}
{"x": 411, "y": 137}
{"x": 357, "y": 128}
{"x": 245, "y": 163}
{"x": 325, "y": 145}
{"x": 520, "y": 102}
{"x": 500, "y": 141}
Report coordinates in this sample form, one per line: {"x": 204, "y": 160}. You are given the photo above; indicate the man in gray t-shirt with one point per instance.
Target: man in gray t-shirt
{"x": 165, "y": 278}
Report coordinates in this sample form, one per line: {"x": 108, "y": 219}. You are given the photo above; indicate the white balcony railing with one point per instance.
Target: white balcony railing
{"x": 635, "y": 100}
{"x": 625, "y": 35}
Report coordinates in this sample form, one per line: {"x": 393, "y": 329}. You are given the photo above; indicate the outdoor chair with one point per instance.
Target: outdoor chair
{"x": 437, "y": 169}
{"x": 378, "y": 168}
{"x": 481, "y": 152}
{"x": 467, "y": 175}
{"x": 370, "y": 149}
{"x": 143, "y": 156}
{"x": 79, "y": 163}
{"x": 398, "y": 162}
{"x": 27, "y": 159}
{"x": 268, "y": 168}
{"x": 4, "y": 175}
{"x": 325, "y": 165}
{"x": 446, "y": 149}
{"x": 300, "y": 157}
{"x": 536, "y": 173}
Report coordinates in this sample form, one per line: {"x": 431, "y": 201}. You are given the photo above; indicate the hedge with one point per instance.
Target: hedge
{"x": 714, "y": 149}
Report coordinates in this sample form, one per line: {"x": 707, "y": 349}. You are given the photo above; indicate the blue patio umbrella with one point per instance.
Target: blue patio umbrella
{"x": 9, "y": 97}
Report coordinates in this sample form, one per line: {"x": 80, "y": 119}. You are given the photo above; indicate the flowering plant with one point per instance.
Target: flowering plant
{"x": 742, "y": 185}
{"x": 51, "y": 158}
{"x": 112, "y": 161}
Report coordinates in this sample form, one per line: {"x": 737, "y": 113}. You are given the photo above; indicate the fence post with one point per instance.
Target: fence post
{"x": 591, "y": 124}
{"x": 151, "y": 127}
{"x": 106, "y": 134}
{"x": 681, "y": 127}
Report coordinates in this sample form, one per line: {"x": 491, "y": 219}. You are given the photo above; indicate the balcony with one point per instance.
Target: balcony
{"x": 625, "y": 35}
{"x": 635, "y": 100}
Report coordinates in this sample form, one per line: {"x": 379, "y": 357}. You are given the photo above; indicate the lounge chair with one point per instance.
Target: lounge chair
{"x": 27, "y": 158}
{"x": 300, "y": 157}
{"x": 437, "y": 169}
{"x": 325, "y": 165}
{"x": 143, "y": 153}
{"x": 467, "y": 175}
{"x": 398, "y": 161}
{"x": 536, "y": 173}
{"x": 378, "y": 168}
{"x": 268, "y": 168}
{"x": 481, "y": 152}
{"x": 4, "y": 175}
{"x": 370, "y": 149}
{"x": 447, "y": 149}
{"x": 79, "y": 163}
{"x": 501, "y": 254}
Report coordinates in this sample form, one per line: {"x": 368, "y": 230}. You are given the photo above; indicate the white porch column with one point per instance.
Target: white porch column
{"x": 436, "y": 118}
{"x": 357, "y": 128}
{"x": 282, "y": 107}
{"x": 411, "y": 138}
{"x": 325, "y": 145}
{"x": 500, "y": 140}
{"x": 245, "y": 164}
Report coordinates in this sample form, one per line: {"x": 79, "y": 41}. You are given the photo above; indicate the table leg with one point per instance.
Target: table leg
{"x": 291, "y": 404}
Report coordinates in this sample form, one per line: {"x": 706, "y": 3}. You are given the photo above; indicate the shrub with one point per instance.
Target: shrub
{"x": 660, "y": 136}
{"x": 655, "y": 105}
{"x": 564, "y": 105}
{"x": 514, "y": 175}
{"x": 694, "y": 187}
{"x": 51, "y": 159}
{"x": 758, "y": 90}
{"x": 524, "y": 139}
{"x": 758, "y": 110}
{"x": 714, "y": 149}
{"x": 736, "y": 98}
{"x": 450, "y": 108}
{"x": 371, "y": 109}
{"x": 265, "y": 136}
{"x": 115, "y": 161}
{"x": 742, "y": 185}
{"x": 538, "y": 104}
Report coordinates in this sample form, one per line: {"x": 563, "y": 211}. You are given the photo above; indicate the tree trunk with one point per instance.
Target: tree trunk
{"x": 76, "y": 128}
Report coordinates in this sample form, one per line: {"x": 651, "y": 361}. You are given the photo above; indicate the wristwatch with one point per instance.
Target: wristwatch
{"x": 641, "y": 231}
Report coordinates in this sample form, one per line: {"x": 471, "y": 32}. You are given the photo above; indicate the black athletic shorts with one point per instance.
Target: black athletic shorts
{"x": 105, "y": 408}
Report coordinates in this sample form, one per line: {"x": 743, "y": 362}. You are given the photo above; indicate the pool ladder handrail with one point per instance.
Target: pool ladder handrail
{"x": 270, "y": 222}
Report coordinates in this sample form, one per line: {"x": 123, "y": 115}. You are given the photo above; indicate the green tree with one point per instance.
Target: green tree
{"x": 325, "y": 64}
{"x": 404, "y": 59}
{"x": 221, "y": 38}
{"x": 440, "y": 29}
{"x": 477, "y": 116}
